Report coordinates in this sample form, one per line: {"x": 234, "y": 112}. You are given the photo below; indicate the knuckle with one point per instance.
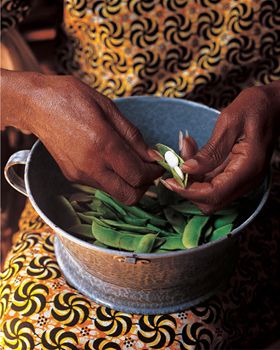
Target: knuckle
{"x": 131, "y": 197}
{"x": 136, "y": 179}
{"x": 228, "y": 119}
{"x": 69, "y": 175}
{"x": 212, "y": 152}
{"x": 75, "y": 175}
{"x": 133, "y": 134}
{"x": 224, "y": 117}
{"x": 113, "y": 150}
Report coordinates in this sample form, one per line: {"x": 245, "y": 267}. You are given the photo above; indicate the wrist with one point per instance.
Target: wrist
{"x": 272, "y": 93}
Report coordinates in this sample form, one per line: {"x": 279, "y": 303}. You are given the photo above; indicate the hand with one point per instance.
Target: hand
{"x": 237, "y": 156}
{"x": 88, "y": 137}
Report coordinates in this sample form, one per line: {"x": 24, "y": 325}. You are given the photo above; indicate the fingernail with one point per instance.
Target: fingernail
{"x": 180, "y": 140}
{"x": 155, "y": 155}
{"x": 187, "y": 133}
{"x": 166, "y": 184}
{"x": 191, "y": 163}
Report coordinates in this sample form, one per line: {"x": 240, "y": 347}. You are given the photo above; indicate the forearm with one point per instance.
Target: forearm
{"x": 16, "y": 88}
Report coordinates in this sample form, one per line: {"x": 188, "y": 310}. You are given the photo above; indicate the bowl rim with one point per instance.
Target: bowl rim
{"x": 190, "y": 251}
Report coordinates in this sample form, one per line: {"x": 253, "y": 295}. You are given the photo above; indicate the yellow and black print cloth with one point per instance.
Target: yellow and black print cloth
{"x": 204, "y": 50}
{"x": 40, "y": 311}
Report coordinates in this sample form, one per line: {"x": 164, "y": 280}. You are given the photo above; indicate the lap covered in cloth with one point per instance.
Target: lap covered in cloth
{"x": 39, "y": 310}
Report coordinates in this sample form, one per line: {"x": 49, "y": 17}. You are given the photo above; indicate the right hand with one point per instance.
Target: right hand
{"x": 88, "y": 137}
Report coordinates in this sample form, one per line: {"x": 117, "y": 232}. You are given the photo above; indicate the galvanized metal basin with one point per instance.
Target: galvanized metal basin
{"x": 136, "y": 283}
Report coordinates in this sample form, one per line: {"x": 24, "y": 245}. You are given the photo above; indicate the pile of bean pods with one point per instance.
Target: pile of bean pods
{"x": 161, "y": 222}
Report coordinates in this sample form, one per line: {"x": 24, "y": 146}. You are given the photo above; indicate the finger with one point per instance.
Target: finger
{"x": 119, "y": 189}
{"x": 187, "y": 146}
{"x": 216, "y": 149}
{"x": 129, "y": 166}
{"x": 125, "y": 128}
{"x": 209, "y": 176}
{"x": 240, "y": 175}
{"x": 213, "y": 207}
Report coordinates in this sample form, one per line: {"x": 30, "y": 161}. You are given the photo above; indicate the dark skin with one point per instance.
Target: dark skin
{"x": 95, "y": 145}
{"x": 83, "y": 130}
{"x": 236, "y": 158}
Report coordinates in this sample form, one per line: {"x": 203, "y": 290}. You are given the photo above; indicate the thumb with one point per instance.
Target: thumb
{"x": 214, "y": 152}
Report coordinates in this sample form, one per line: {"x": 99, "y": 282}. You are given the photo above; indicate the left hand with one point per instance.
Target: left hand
{"x": 237, "y": 156}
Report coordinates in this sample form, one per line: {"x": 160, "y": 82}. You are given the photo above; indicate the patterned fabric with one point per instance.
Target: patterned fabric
{"x": 13, "y": 12}
{"x": 204, "y": 50}
{"x": 40, "y": 310}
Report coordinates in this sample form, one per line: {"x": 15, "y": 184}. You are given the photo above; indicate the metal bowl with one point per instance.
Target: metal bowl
{"x": 136, "y": 283}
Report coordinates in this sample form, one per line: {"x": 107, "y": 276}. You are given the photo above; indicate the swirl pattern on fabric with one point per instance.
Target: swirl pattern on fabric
{"x": 137, "y": 47}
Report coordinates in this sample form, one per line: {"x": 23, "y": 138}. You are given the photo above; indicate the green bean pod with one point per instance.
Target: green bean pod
{"x": 77, "y": 207}
{"x": 100, "y": 222}
{"x": 146, "y": 244}
{"x": 88, "y": 218}
{"x": 148, "y": 203}
{"x": 92, "y": 214}
{"x": 135, "y": 221}
{"x": 110, "y": 201}
{"x": 84, "y": 188}
{"x": 162, "y": 150}
{"x": 160, "y": 231}
{"x": 114, "y": 238}
{"x": 82, "y": 230}
{"x": 164, "y": 165}
{"x": 221, "y": 232}
{"x": 173, "y": 243}
{"x": 208, "y": 232}
{"x": 176, "y": 219}
{"x": 142, "y": 214}
{"x": 193, "y": 231}
{"x": 96, "y": 217}
{"x": 95, "y": 204}
{"x": 187, "y": 208}
{"x": 177, "y": 178}
{"x": 68, "y": 215}
{"x": 107, "y": 213}
{"x": 127, "y": 227}
{"x": 124, "y": 209}
{"x": 225, "y": 220}
{"x": 80, "y": 197}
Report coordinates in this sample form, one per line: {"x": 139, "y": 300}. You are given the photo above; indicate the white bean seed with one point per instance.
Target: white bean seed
{"x": 179, "y": 172}
{"x": 171, "y": 159}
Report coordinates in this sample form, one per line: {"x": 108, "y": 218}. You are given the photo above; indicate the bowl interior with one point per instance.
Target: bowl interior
{"x": 159, "y": 120}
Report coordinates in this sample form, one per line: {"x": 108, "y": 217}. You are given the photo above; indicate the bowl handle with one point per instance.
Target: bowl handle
{"x": 17, "y": 182}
